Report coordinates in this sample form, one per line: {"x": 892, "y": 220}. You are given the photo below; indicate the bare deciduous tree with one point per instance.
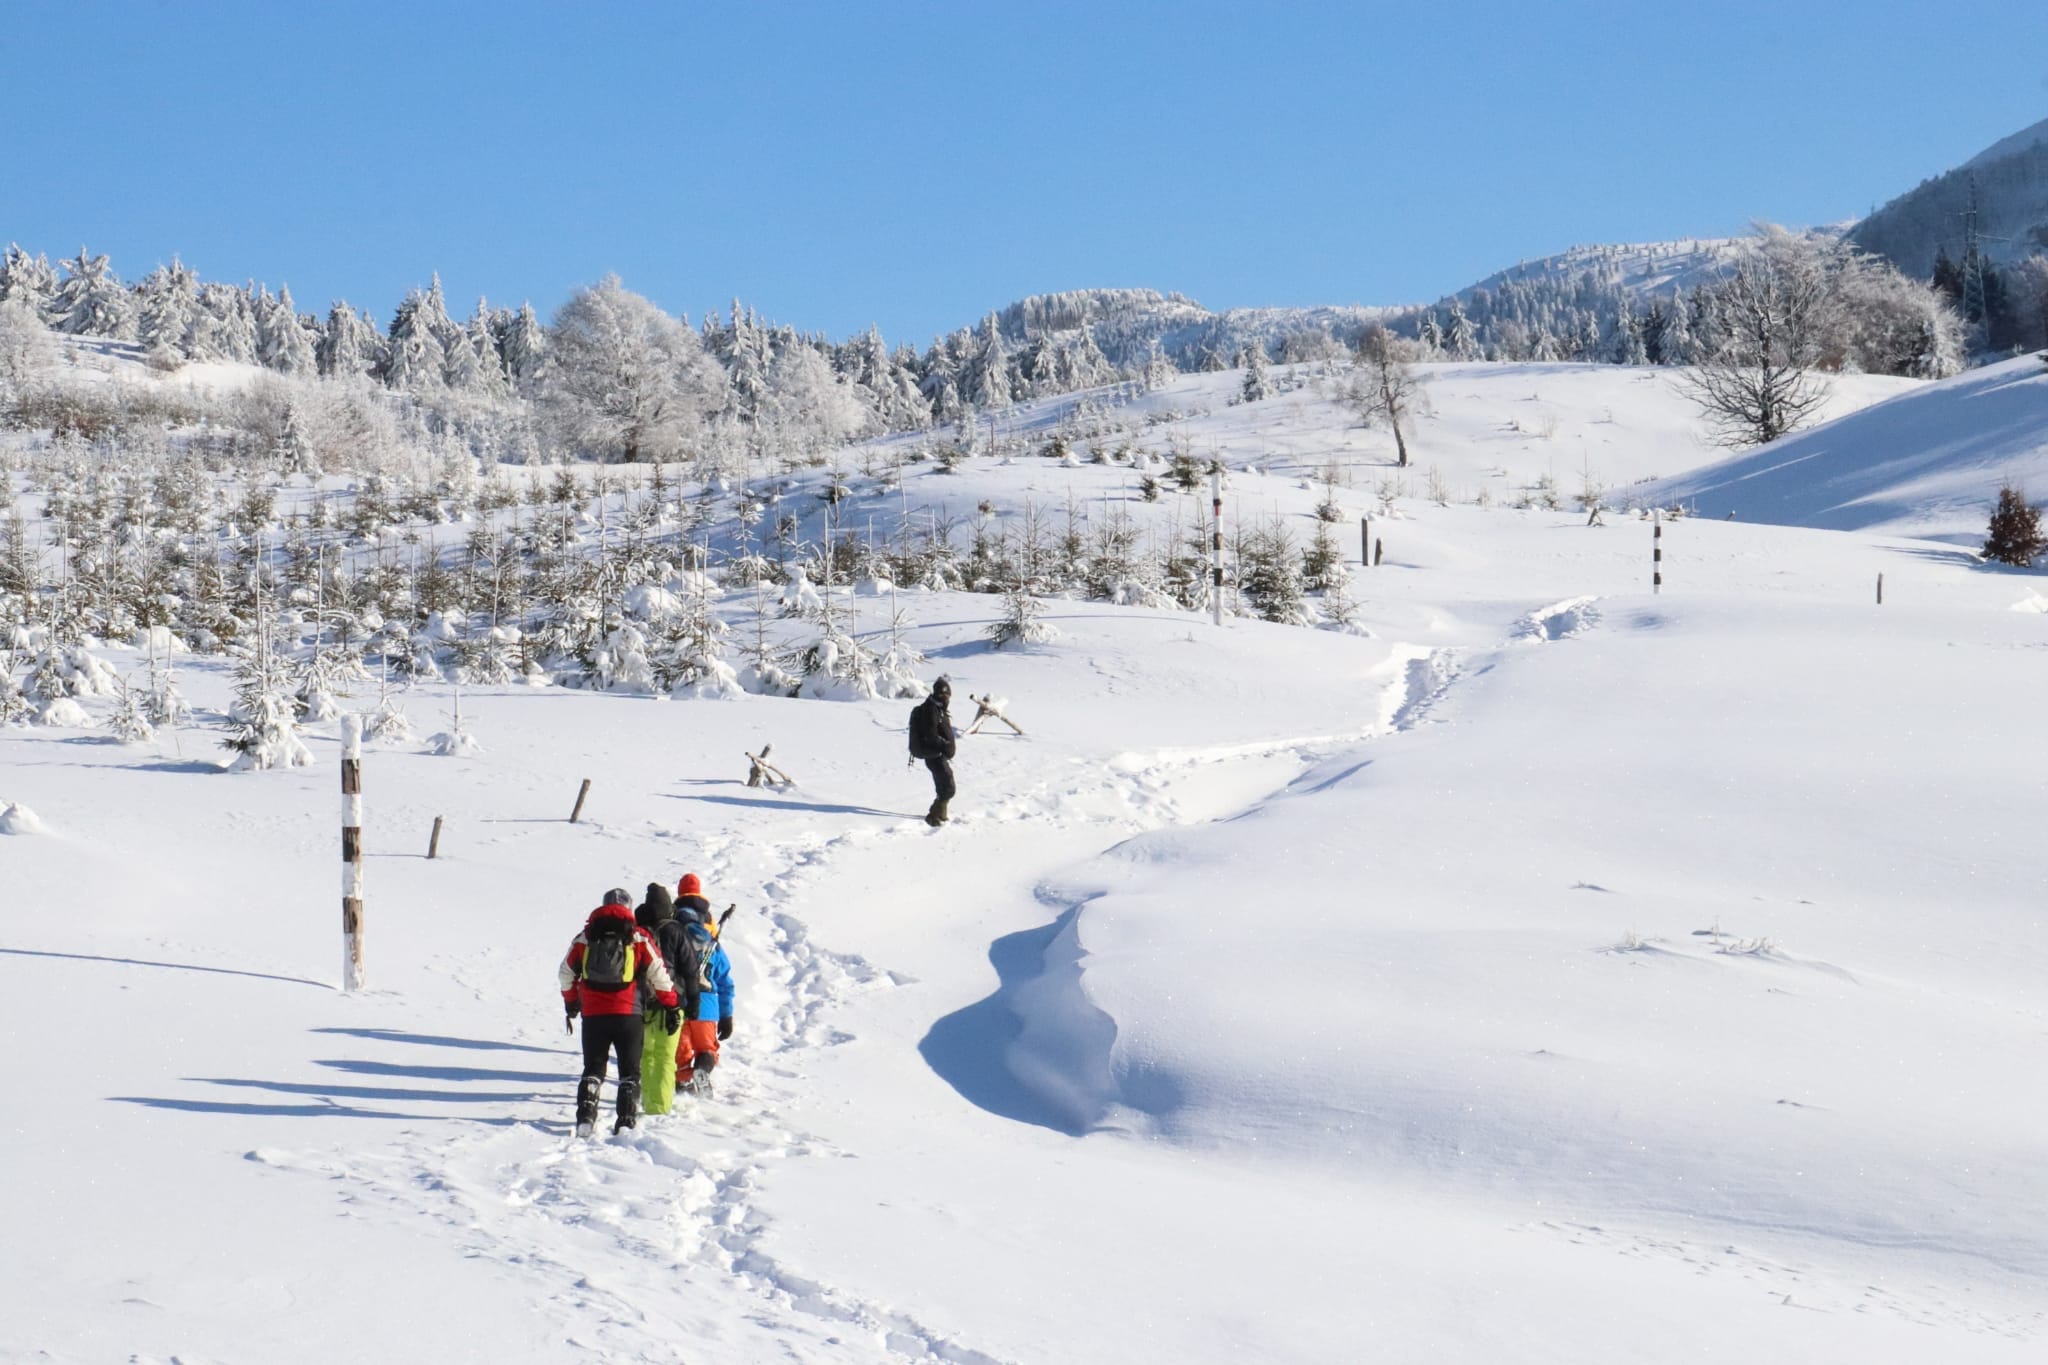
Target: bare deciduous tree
{"x": 1384, "y": 387}
{"x": 1771, "y": 318}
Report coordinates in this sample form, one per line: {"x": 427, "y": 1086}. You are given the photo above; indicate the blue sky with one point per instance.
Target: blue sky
{"x": 914, "y": 165}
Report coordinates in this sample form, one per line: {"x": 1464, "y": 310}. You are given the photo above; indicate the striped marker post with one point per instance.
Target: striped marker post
{"x": 1216, "y": 542}
{"x": 1656, "y": 555}
{"x": 351, "y": 853}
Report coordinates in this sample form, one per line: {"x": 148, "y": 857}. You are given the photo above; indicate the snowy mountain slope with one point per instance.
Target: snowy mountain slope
{"x": 1127, "y": 323}
{"x": 1490, "y": 431}
{"x": 1928, "y": 462}
{"x": 1283, "y": 990}
{"x": 2010, "y": 181}
{"x": 1643, "y": 269}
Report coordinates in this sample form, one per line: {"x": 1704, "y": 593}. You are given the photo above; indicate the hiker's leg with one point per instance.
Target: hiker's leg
{"x": 628, "y": 1040}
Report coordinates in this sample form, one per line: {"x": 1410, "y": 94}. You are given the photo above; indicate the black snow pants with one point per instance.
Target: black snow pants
{"x": 604, "y": 1034}
{"x": 942, "y": 780}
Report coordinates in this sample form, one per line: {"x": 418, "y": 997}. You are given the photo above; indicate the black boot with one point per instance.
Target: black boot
{"x": 629, "y": 1104}
{"x": 586, "y": 1103}
{"x": 936, "y": 816}
{"x": 939, "y": 809}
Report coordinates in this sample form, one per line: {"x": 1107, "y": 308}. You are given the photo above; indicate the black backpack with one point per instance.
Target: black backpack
{"x": 608, "y": 957}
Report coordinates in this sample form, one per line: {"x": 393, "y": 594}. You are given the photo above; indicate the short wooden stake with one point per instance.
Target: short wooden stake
{"x": 1365, "y": 541}
{"x": 1379, "y": 550}
{"x": 434, "y": 840}
{"x": 352, "y": 976}
{"x": 1880, "y": 590}
{"x": 577, "y": 814}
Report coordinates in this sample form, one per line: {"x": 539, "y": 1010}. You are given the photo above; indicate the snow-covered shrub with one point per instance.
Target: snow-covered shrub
{"x": 16, "y": 818}
{"x": 130, "y": 718}
{"x": 65, "y": 714}
{"x": 388, "y": 722}
{"x": 1020, "y": 622}
{"x": 263, "y": 720}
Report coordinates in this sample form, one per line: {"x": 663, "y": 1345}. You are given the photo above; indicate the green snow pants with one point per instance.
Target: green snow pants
{"x": 657, "y": 1068}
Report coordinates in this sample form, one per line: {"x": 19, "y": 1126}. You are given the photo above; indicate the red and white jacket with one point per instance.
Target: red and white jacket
{"x": 647, "y": 967}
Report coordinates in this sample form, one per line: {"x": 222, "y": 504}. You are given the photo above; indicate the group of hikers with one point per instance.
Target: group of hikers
{"x": 652, "y": 984}
{"x": 654, "y": 988}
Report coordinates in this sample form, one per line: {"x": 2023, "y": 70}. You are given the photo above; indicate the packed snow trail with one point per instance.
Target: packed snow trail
{"x": 637, "y": 1231}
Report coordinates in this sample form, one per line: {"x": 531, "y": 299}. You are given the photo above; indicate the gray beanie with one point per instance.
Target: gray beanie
{"x": 617, "y": 896}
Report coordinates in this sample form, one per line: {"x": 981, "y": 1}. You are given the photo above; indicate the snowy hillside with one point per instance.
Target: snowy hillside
{"x": 2010, "y": 180}
{"x": 1643, "y": 270}
{"x": 1928, "y": 462}
{"x": 1130, "y": 325}
{"x": 1547, "y": 970}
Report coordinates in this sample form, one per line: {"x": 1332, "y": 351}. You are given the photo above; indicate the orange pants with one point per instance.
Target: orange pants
{"x": 696, "y": 1047}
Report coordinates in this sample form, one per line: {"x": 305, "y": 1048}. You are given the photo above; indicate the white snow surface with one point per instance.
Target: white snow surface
{"x": 1928, "y": 462}
{"x": 1561, "y": 973}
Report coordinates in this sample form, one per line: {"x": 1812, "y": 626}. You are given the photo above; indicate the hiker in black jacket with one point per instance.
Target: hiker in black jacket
{"x": 657, "y": 915}
{"x": 931, "y": 739}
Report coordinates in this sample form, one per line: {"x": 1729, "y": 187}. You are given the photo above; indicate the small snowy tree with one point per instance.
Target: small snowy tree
{"x": 2015, "y": 532}
{"x": 1384, "y": 387}
{"x": 263, "y": 720}
{"x": 1021, "y": 621}
{"x": 1258, "y": 381}
{"x": 130, "y": 719}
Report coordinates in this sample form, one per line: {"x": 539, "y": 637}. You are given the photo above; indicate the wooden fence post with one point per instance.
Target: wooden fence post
{"x": 434, "y": 841}
{"x": 352, "y": 853}
{"x": 1880, "y": 590}
{"x": 577, "y": 814}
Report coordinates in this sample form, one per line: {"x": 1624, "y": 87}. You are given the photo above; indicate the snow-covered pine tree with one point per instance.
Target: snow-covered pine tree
{"x": 1269, "y": 574}
{"x": 15, "y": 707}
{"x": 1322, "y": 563}
{"x": 284, "y": 342}
{"x": 263, "y": 719}
{"x": 129, "y": 721}
{"x": 168, "y": 299}
{"x": 1022, "y": 621}
{"x": 2014, "y": 536}
{"x": 92, "y": 301}
{"x": 987, "y": 382}
{"x": 414, "y": 359}
{"x": 1258, "y": 381}
{"x": 31, "y": 280}
{"x": 226, "y": 326}
{"x": 349, "y": 346}
{"x": 523, "y": 349}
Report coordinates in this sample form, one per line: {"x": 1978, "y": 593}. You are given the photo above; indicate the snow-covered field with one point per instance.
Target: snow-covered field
{"x": 1928, "y": 463}
{"x": 1562, "y": 972}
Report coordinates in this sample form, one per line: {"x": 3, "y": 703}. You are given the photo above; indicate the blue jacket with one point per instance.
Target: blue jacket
{"x": 715, "y": 974}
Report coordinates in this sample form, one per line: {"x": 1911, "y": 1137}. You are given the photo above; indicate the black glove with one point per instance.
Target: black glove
{"x": 725, "y": 1028}
{"x": 672, "y": 1019}
{"x": 572, "y": 1008}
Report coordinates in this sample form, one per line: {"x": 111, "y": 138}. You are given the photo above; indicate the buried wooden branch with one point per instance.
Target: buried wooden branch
{"x": 762, "y": 773}
{"x": 988, "y": 708}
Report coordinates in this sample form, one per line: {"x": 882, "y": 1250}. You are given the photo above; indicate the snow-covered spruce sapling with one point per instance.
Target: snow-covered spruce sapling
{"x": 2014, "y": 535}
{"x": 129, "y": 721}
{"x": 263, "y": 719}
{"x": 1020, "y": 622}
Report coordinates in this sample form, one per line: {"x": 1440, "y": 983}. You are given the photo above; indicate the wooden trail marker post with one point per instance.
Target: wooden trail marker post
{"x": 1880, "y": 590}
{"x": 434, "y": 840}
{"x": 581, "y": 795}
{"x": 352, "y": 978}
{"x": 1365, "y": 542}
